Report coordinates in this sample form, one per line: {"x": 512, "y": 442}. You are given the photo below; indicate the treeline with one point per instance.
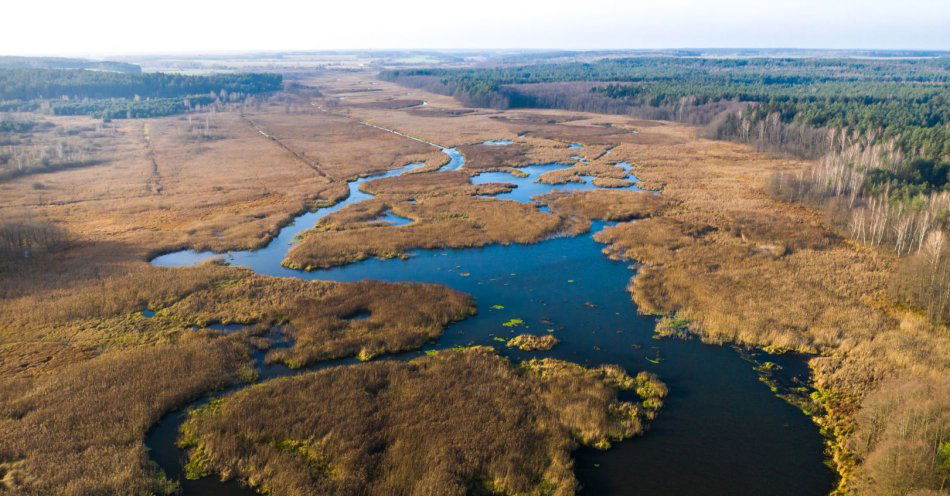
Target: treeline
{"x": 43, "y": 156}
{"x": 29, "y": 84}
{"x": 12, "y": 62}
{"x": 117, "y": 108}
{"x": 907, "y": 99}
{"x": 111, "y": 95}
{"x": 884, "y": 201}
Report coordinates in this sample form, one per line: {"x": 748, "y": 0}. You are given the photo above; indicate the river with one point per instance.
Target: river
{"x": 721, "y": 430}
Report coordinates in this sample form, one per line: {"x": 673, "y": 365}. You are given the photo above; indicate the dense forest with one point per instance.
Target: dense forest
{"x": 113, "y": 95}
{"x": 28, "y": 84}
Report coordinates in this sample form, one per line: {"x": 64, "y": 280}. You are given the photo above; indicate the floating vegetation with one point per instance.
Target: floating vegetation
{"x": 498, "y": 307}
{"x": 529, "y": 342}
{"x": 513, "y": 323}
{"x": 672, "y": 327}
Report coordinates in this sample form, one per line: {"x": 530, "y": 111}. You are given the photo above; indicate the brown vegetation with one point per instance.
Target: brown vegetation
{"x": 25, "y": 239}
{"x": 392, "y": 104}
{"x": 79, "y": 429}
{"x": 425, "y": 185}
{"x": 916, "y": 228}
{"x": 456, "y": 422}
{"x": 605, "y": 173}
{"x": 899, "y": 429}
{"x": 83, "y": 374}
{"x": 609, "y": 182}
{"x": 604, "y": 205}
{"x": 401, "y": 316}
{"x": 528, "y": 342}
{"x": 921, "y": 279}
{"x": 483, "y": 158}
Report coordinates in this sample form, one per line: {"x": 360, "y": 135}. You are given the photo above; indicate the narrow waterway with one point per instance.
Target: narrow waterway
{"x": 721, "y": 431}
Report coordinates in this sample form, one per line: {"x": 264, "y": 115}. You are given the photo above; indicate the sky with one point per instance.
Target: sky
{"x": 103, "y": 27}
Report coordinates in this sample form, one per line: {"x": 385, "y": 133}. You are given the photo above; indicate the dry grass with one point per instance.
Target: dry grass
{"x": 424, "y": 185}
{"x": 401, "y": 316}
{"x": 609, "y": 182}
{"x": 160, "y": 191}
{"x": 80, "y": 429}
{"x": 604, "y": 205}
{"x": 483, "y": 158}
{"x": 606, "y": 175}
{"x": 444, "y": 215}
{"x": 457, "y": 422}
{"x": 528, "y": 342}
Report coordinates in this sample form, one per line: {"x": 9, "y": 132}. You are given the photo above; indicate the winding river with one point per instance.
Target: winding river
{"x": 721, "y": 430}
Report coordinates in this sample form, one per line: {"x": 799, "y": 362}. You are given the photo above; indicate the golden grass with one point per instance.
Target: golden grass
{"x": 483, "y": 158}
{"x": 604, "y": 205}
{"x": 456, "y": 422}
{"x": 425, "y": 185}
{"x": 605, "y": 175}
{"x": 609, "y": 182}
{"x": 79, "y": 429}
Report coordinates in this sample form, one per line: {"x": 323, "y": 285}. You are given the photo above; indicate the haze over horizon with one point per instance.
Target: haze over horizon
{"x": 111, "y": 27}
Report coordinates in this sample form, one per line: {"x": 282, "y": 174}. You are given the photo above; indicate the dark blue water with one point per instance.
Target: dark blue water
{"x": 721, "y": 432}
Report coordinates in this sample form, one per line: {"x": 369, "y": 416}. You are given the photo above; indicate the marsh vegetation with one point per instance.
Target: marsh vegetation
{"x": 838, "y": 258}
{"x": 454, "y": 422}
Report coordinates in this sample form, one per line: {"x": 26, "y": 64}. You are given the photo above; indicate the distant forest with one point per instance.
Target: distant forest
{"x": 11, "y": 62}
{"x": 123, "y": 95}
{"x": 907, "y": 100}
{"x": 28, "y": 84}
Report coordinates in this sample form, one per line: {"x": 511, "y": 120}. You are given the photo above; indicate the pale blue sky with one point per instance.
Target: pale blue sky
{"x": 124, "y": 26}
